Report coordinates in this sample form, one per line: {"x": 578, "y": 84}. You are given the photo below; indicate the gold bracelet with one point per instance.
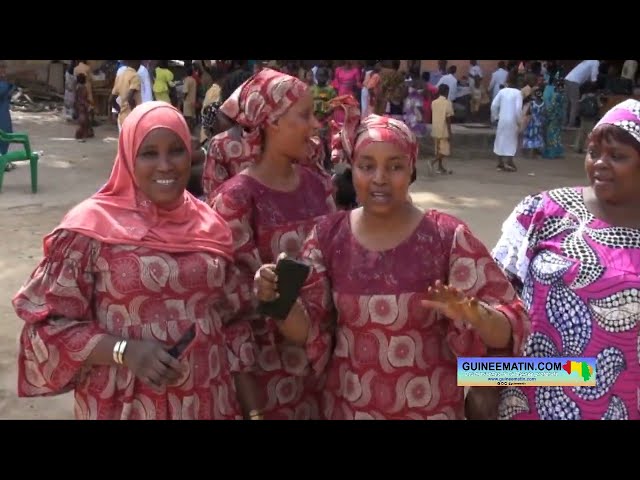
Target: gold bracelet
{"x": 123, "y": 345}
{"x": 116, "y": 348}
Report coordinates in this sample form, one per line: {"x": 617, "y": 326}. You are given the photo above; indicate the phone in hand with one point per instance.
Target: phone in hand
{"x": 186, "y": 339}
{"x": 291, "y": 277}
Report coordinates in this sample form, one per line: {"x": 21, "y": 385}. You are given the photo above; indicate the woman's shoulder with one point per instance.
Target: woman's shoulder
{"x": 238, "y": 189}
{"x": 329, "y": 226}
{"x": 563, "y": 198}
{"x": 536, "y": 207}
{"x": 441, "y": 221}
{"x": 64, "y": 243}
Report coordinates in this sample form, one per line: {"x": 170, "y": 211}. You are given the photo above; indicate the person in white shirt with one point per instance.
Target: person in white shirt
{"x": 146, "y": 92}
{"x": 498, "y": 78}
{"x": 474, "y": 70}
{"x": 364, "y": 93}
{"x": 586, "y": 70}
{"x": 629, "y": 70}
{"x": 475, "y": 82}
{"x": 452, "y": 82}
{"x": 439, "y": 73}
{"x": 506, "y": 108}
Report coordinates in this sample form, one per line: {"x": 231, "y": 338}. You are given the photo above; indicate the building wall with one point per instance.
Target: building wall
{"x": 43, "y": 71}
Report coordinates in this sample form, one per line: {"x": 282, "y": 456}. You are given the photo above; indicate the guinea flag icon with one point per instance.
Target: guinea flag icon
{"x": 581, "y": 368}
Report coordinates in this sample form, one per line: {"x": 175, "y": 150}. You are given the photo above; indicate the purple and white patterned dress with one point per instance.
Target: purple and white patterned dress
{"x": 581, "y": 284}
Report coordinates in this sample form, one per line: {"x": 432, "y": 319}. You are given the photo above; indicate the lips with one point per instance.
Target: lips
{"x": 602, "y": 179}
{"x": 380, "y": 196}
{"x": 165, "y": 181}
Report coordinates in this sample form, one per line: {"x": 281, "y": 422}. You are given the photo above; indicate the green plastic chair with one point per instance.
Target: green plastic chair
{"x": 19, "y": 156}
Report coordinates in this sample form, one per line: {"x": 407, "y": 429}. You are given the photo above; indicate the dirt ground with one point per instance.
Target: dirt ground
{"x": 70, "y": 171}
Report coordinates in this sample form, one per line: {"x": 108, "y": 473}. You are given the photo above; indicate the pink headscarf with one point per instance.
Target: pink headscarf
{"x": 356, "y": 134}
{"x": 121, "y": 214}
{"x": 625, "y": 115}
{"x": 259, "y": 101}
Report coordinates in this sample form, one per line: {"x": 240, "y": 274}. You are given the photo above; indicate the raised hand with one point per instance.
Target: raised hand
{"x": 452, "y": 303}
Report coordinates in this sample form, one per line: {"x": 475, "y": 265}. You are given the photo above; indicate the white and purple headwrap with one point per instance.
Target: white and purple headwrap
{"x": 625, "y": 115}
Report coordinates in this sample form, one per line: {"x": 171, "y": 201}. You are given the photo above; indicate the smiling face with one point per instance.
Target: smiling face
{"x": 613, "y": 165}
{"x": 290, "y": 134}
{"x": 381, "y": 177}
{"x": 162, "y": 167}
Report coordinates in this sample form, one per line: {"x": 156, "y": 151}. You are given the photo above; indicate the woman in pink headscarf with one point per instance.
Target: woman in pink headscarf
{"x": 125, "y": 275}
{"x": 272, "y": 195}
{"x": 408, "y": 287}
{"x": 575, "y": 255}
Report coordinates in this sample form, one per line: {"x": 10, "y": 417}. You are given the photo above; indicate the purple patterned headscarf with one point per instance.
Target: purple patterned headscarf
{"x": 625, "y": 115}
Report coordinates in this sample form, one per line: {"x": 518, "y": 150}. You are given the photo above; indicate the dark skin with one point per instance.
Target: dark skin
{"x": 285, "y": 142}
{"x": 381, "y": 178}
{"x": 162, "y": 156}
{"x": 613, "y": 170}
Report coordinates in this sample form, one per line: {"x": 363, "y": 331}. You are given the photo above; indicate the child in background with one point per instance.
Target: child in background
{"x": 534, "y": 112}
{"x": 322, "y": 94}
{"x": 442, "y": 113}
{"x": 82, "y": 108}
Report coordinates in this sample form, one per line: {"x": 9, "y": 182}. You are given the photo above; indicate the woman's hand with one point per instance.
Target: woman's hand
{"x": 452, "y": 303}
{"x": 492, "y": 325}
{"x": 151, "y": 363}
{"x": 265, "y": 283}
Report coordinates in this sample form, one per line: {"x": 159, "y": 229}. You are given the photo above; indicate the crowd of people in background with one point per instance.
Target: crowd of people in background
{"x": 552, "y": 98}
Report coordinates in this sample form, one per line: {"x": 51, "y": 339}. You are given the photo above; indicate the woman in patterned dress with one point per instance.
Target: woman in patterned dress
{"x": 575, "y": 254}
{"x": 409, "y": 289}
{"x": 533, "y": 137}
{"x": 141, "y": 261}
{"x": 270, "y": 201}
{"x": 556, "y": 110}
{"x": 346, "y": 81}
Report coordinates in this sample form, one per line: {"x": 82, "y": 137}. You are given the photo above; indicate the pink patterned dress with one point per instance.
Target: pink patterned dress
{"x": 266, "y": 222}
{"x": 392, "y": 359}
{"x": 346, "y": 82}
{"x": 580, "y": 281}
{"x": 86, "y": 289}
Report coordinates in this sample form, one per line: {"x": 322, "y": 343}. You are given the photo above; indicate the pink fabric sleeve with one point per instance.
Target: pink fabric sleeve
{"x": 59, "y": 332}
{"x": 233, "y": 203}
{"x": 473, "y": 271}
{"x": 315, "y": 298}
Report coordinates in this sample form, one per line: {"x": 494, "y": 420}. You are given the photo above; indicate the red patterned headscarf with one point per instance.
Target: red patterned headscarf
{"x": 356, "y": 134}
{"x": 261, "y": 100}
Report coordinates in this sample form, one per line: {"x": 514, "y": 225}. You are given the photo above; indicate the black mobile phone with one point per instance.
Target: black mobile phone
{"x": 291, "y": 276}
{"x": 184, "y": 342}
